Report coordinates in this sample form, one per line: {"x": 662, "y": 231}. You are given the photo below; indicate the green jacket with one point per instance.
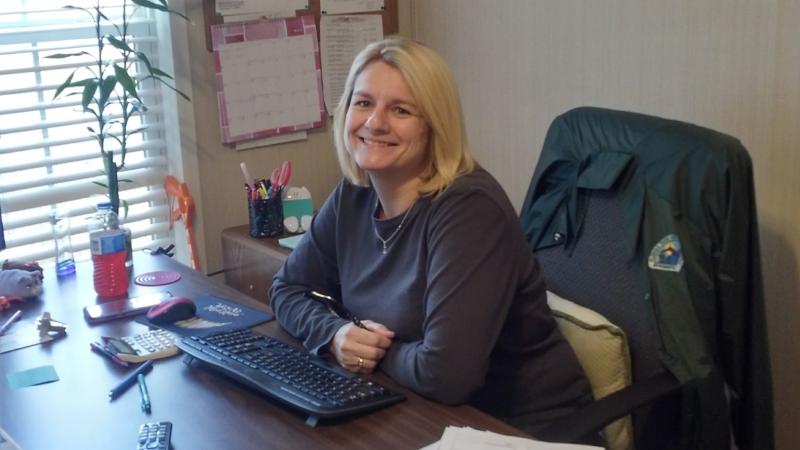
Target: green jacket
{"x": 690, "y": 218}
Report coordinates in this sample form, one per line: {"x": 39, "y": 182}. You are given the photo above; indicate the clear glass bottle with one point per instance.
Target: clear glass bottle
{"x": 65, "y": 260}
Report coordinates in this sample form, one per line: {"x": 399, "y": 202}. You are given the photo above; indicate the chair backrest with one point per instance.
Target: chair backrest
{"x": 652, "y": 223}
{"x": 597, "y": 274}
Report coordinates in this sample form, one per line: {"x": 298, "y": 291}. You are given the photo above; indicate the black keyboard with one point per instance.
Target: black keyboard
{"x": 299, "y": 379}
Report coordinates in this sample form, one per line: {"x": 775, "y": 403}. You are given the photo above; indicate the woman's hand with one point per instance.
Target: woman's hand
{"x": 359, "y": 350}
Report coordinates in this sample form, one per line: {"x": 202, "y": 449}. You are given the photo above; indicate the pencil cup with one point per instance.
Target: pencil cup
{"x": 266, "y": 216}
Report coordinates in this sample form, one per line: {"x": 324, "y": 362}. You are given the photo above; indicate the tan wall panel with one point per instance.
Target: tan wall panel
{"x": 729, "y": 65}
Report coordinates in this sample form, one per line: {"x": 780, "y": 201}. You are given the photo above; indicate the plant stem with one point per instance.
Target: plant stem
{"x": 113, "y": 180}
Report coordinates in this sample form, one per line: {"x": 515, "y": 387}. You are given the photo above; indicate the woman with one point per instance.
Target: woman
{"x": 425, "y": 244}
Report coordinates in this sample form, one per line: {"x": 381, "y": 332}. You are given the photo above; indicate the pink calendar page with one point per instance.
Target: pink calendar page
{"x": 268, "y": 78}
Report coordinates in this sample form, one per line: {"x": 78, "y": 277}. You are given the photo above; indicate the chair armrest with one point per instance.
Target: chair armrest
{"x": 601, "y": 412}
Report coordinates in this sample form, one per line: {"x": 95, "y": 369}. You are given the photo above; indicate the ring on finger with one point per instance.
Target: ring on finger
{"x": 360, "y": 362}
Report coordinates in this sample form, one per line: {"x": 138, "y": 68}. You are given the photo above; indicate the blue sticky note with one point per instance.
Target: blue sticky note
{"x": 32, "y": 377}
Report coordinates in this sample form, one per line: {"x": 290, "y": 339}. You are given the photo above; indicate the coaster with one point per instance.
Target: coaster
{"x": 157, "y": 278}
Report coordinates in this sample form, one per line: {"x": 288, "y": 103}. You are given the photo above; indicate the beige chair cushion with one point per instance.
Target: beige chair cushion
{"x": 602, "y": 351}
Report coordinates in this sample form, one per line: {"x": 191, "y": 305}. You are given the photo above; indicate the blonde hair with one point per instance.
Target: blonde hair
{"x": 434, "y": 90}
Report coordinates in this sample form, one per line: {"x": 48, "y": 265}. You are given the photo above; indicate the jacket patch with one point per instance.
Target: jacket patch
{"x": 667, "y": 254}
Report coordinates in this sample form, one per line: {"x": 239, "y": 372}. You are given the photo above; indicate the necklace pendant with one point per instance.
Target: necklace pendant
{"x": 384, "y": 248}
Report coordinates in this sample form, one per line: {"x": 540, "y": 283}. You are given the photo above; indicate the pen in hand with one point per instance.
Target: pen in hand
{"x": 130, "y": 380}
{"x": 335, "y": 307}
{"x": 145, "y": 396}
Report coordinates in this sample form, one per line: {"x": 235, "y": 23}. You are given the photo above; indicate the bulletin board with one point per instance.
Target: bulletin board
{"x": 268, "y": 78}
{"x": 389, "y": 16}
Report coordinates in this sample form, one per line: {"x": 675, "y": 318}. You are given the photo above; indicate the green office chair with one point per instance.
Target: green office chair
{"x": 651, "y": 223}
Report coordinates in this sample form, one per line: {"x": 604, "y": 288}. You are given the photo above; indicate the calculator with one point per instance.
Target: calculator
{"x": 153, "y": 344}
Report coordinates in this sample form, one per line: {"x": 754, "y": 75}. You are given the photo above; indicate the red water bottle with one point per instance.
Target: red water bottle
{"x": 108, "y": 255}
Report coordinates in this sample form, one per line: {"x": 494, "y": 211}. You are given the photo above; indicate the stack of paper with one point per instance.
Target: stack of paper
{"x": 465, "y": 438}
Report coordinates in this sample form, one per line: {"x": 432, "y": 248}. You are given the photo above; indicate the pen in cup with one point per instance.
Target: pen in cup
{"x": 336, "y": 307}
{"x": 101, "y": 350}
{"x": 7, "y": 324}
{"x": 143, "y": 394}
{"x": 130, "y": 380}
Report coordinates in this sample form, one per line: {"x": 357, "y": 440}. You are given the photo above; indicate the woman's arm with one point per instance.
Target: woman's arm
{"x": 311, "y": 265}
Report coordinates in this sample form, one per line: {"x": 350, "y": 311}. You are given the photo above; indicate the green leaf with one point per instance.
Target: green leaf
{"x": 80, "y": 9}
{"x": 88, "y": 94}
{"x": 118, "y": 43}
{"x": 146, "y": 61}
{"x": 106, "y": 88}
{"x": 150, "y": 5}
{"x": 160, "y": 73}
{"x": 137, "y": 130}
{"x": 102, "y": 185}
{"x": 126, "y": 81}
{"x": 124, "y": 208}
{"x": 163, "y": 7}
{"x": 174, "y": 89}
{"x": 116, "y": 138}
{"x": 100, "y": 13}
{"x": 125, "y": 180}
{"x": 64, "y": 85}
{"x": 67, "y": 55}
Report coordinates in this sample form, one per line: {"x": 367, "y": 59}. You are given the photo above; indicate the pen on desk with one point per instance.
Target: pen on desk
{"x": 130, "y": 379}
{"x": 10, "y": 321}
{"x": 336, "y": 307}
{"x": 145, "y": 397}
{"x": 101, "y": 350}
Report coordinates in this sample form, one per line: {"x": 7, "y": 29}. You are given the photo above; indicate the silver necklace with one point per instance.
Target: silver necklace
{"x": 386, "y": 241}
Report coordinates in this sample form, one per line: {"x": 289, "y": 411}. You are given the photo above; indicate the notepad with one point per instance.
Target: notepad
{"x": 32, "y": 377}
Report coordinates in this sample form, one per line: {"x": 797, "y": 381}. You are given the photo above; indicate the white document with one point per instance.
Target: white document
{"x": 267, "y": 8}
{"x": 349, "y": 6}
{"x": 465, "y": 438}
{"x": 342, "y": 37}
{"x": 270, "y": 83}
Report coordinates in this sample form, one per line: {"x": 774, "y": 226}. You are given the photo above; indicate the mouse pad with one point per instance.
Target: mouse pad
{"x": 214, "y": 314}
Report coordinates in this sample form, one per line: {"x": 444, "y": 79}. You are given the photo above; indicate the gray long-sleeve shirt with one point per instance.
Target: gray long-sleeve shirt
{"x": 458, "y": 286}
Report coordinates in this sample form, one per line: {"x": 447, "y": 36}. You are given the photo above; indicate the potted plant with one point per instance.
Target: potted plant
{"x": 110, "y": 83}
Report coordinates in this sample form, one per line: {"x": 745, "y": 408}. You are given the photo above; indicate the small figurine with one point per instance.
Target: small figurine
{"x": 47, "y": 325}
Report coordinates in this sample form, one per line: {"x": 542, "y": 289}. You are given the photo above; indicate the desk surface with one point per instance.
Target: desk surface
{"x": 208, "y": 411}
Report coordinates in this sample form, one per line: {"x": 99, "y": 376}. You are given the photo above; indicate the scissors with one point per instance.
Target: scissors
{"x": 280, "y": 176}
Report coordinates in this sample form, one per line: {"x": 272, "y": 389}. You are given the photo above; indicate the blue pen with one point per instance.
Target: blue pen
{"x": 130, "y": 380}
{"x": 145, "y": 396}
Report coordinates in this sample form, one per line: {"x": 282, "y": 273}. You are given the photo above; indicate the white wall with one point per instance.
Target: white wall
{"x": 730, "y": 65}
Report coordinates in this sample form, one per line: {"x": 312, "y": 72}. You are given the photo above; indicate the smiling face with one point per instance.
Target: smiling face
{"x": 386, "y": 136}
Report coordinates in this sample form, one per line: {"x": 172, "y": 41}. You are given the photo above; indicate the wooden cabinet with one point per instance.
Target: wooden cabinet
{"x": 250, "y": 263}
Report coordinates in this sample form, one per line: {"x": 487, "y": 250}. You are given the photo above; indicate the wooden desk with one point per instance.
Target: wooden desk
{"x": 250, "y": 263}
{"x": 208, "y": 411}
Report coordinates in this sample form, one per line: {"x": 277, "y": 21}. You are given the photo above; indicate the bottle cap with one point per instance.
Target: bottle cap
{"x": 107, "y": 242}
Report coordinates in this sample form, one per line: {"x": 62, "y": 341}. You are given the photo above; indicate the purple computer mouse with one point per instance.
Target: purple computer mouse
{"x": 172, "y": 310}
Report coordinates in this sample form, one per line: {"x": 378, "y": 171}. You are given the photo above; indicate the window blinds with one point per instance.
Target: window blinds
{"x": 48, "y": 158}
